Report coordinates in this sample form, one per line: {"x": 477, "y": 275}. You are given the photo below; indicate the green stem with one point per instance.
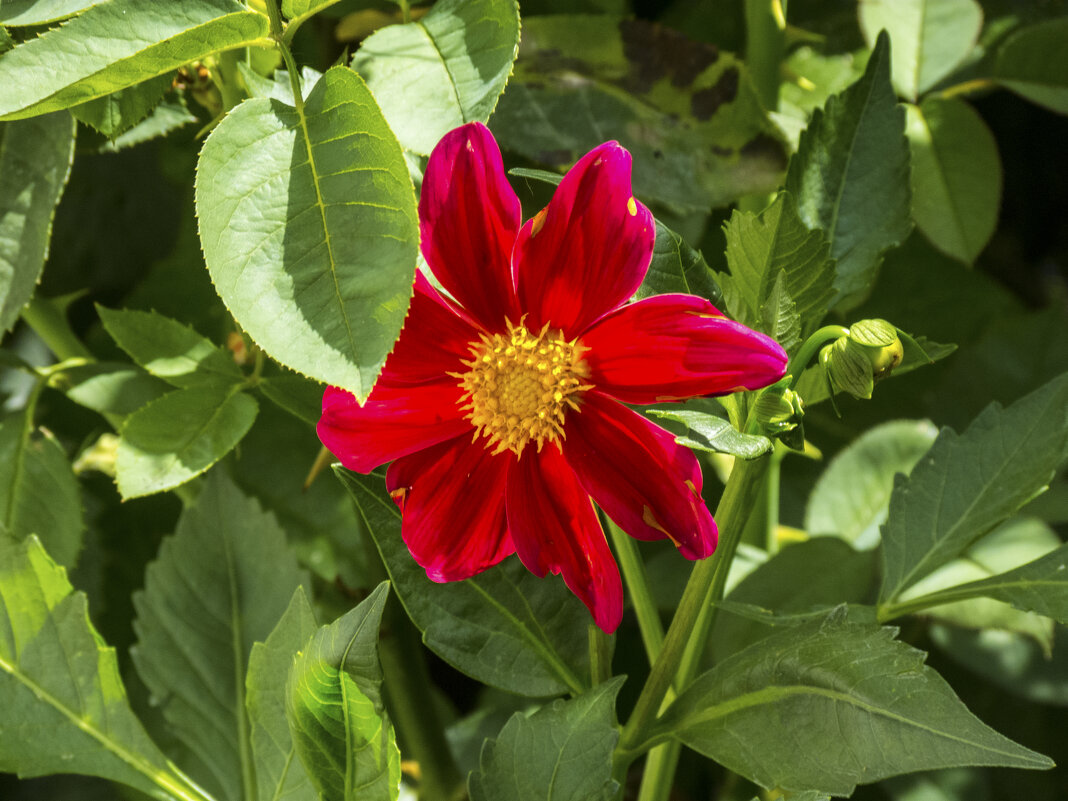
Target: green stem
{"x": 278, "y": 33}
{"x": 406, "y": 10}
{"x": 633, "y": 570}
{"x": 49, "y": 323}
{"x": 600, "y": 654}
{"x": 968, "y": 87}
{"x": 963, "y": 592}
{"x": 771, "y": 499}
{"x": 811, "y": 348}
{"x": 765, "y": 43}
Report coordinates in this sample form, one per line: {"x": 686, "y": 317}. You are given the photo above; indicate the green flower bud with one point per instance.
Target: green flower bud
{"x": 779, "y": 410}
{"x": 848, "y": 367}
{"x": 880, "y": 344}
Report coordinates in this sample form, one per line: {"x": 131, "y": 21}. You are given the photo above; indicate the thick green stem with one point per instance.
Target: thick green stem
{"x": 47, "y": 320}
{"x": 765, "y": 43}
{"x": 811, "y": 348}
{"x": 600, "y": 646}
{"x": 633, "y": 570}
{"x": 890, "y": 611}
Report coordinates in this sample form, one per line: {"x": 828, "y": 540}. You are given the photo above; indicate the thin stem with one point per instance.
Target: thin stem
{"x": 600, "y": 654}
{"x": 890, "y": 611}
{"x": 278, "y": 33}
{"x": 49, "y": 323}
{"x": 765, "y": 43}
{"x": 811, "y": 348}
{"x": 406, "y": 10}
{"x": 967, "y": 87}
{"x": 633, "y": 570}
{"x": 771, "y": 499}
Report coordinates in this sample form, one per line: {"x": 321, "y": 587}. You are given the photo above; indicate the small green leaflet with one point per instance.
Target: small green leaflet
{"x": 109, "y": 387}
{"x": 309, "y": 227}
{"x": 711, "y": 433}
{"x": 334, "y": 706}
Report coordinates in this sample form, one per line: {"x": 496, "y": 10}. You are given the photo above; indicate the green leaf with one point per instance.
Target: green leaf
{"x": 117, "y": 113}
{"x": 828, "y": 705}
{"x": 762, "y": 247}
{"x": 779, "y": 318}
{"x": 219, "y": 584}
{"x": 157, "y": 38}
{"x": 38, "y": 491}
{"x": 969, "y": 483}
{"x": 65, "y": 708}
{"x": 677, "y": 267}
{"x": 711, "y": 433}
{"x": 687, "y": 112}
{"x": 299, "y": 396}
{"x": 851, "y": 497}
{"x": 850, "y": 176}
{"x": 309, "y": 226}
{"x": 170, "y": 115}
{"x": 504, "y": 627}
{"x": 300, "y": 8}
{"x": 931, "y": 37}
{"x": 334, "y": 706}
{"x": 35, "y": 161}
{"x": 179, "y": 436}
{"x": 1034, "y": 64}
{"x": 109, "y": 387}
{"x": 279, "y": 774}
{"x": 36, "y": 12}
{"x": 442, "y": 71}
{"x": 169, "y": 349}
{"x": 956, "y": 176}
{"x": 562, "y": 752}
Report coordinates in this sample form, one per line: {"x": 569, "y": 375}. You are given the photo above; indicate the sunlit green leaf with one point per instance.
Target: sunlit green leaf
{"x": 930, "y": 37}
{"x": 179, "y": 436}
{"x": 969, "y": 483}
{"x": 157, "y": 38}
{"x": 956, "y": 176}
{"x": 168, "y": 116}
{"x": 446, "y": 69}
{"x": 35, "y": 161}
{"x": 1034, "y": 64}
{"x": 828, "y": 705}
{"x": 562, "y": 752}
{"x": 220, "y": 584}
{"x": 117, "y": 113}
{"x": 110, "y": 387}
{"x": 308, "y": 222}
{"x": 299, "y": 396}
{"x": 504, "y": 627}
{"x": 850, "y": 176}
{"x": 334, "y": 706}
{"x": 37, "y": 12}
{"x": 709, "y": 432}
{"x": 65, "y": 708}
{"x": 38, "y": 491}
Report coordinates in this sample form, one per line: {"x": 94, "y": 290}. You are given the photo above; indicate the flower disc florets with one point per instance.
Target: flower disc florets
{"x": 520, "y": 385}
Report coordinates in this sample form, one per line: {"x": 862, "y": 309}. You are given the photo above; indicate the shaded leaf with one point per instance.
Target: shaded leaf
{"x": 35, "y": 161}
{"x": 956, "y": 176}
{"x": 851, "y": 497}
{"x": 65, "y": 708}
{"x": 318, "y": 206}
{"x": 930, "y": 37}
{"x": 778, "y": 316}
{"x": 504, "y": 627}
{"x": 686, "y": 111}
{"x": 442, "y": 71}
{"x": 179, "y": 436}
{"x": 850, "y": 176}
{"x": 219, "y": 584}
{"x": 677, "y": 267}
{"x": 711, "y": 433}
{"x": 299, "y": 396}
{"x": 170, "y": 115}
{"x": 158, "y": 38}
{"x": 279, "y": 773}
{"x": 38, "y": 491}
{"x": 110, "y": 387}
{"x": 117, "y": 113}
{"x": 562, "y": 752}
{"x": 827, "y": 705}
{"x": 169, "y": 349}
{"x": 37, "y": 12}
{"x": 1034, "y": 64}
{"x": 334, "y": 707}
{"x": 969, "y": 483}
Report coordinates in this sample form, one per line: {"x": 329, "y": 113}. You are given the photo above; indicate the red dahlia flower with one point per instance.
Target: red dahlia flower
{"x": 502, "y": 413}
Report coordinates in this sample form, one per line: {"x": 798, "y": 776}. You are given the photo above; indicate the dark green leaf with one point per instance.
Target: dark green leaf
{"x": 850, "y": 176}
{"x": 117, "y": 113}
{"x": 1034, "y": 64}
{"x": 562, "y": 752}
{"x": 110, "y": 387}
{"x": 279, "y": 774}
{"x": 158, "y": 38}
{"x": 504, "y": 627}
{"x": 711, "y": 433}
{"x": 828, "y": 705}
{"x": 220, "y": 584}
{"x": 299, "y": 396}
{"x": 677, "y": 267}
{"x": 779, "y": 318}
{"x": 170, "y": 115}
{"x": 35, "y": 160}
{"x": 37, "y": 12}
{"x": 687, "y": 111}
{"x": 762, "y": 247}
{"x": 169, "y": 349}
{"x": 930, "y": 37}
{"x": 65, "y": 708}
{"x": 969, "y": 483}
{"x": 310, "y": 231}
{"x": 339, "y": 726}
{"x": 956, "y": 176}
{"x": 38, "y": 491}
{"x": 179, "y": 436}
{"x": 446, "y": 69}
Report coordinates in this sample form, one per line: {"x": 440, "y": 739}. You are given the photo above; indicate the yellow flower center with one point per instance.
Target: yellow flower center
{"x": 520, "y": 385}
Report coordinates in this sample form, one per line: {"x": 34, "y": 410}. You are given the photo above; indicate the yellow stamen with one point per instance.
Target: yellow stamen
{"x": 520, "y": 386}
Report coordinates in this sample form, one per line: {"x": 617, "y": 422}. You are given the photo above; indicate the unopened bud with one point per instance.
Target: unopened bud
{"x": 779, "y": 410}
{"x": 880, "y": 344}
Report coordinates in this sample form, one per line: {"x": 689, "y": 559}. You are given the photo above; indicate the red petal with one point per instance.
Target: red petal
{"x": 555, "y": 529}
{"x": 671, "y": 347}
{"x": 451, "y": 498}
{"x": 639, "y": 475}
{"x": 394, "y": 422}
{"x": 469, "y": 218}
{"x": 589, "y": 249}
